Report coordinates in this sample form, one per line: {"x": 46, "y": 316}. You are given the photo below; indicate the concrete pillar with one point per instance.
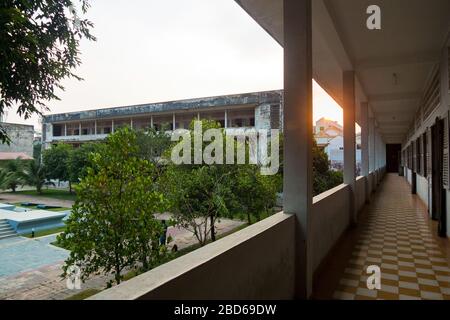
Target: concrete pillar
{"x": 131, "y": 123}
{"x": 65, "y": 129}
{"x": 198, "y": 116}
{"x": 297, "y": 192}
{"x": 350, "y": 139}
{"x": 95, "y": 127}
{"x": 173, "y": 121}
{"x": 112, "y": 125}
{"x": 151, "y": 121}
{"x": 365, "y": 146}
{"x": 371, "y": 144}
{"x": 226, "y": 118}
{"x": 79, "y": 129}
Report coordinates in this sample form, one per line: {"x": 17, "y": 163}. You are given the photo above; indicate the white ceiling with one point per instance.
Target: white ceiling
{"x": 408, "y": 44}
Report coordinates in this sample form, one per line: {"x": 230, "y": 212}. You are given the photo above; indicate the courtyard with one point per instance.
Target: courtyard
{"x": 31, "y": 268}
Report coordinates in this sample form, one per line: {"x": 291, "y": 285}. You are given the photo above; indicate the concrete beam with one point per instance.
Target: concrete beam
{"x": 415, "y": 95}
{"x": 387, "y": 62}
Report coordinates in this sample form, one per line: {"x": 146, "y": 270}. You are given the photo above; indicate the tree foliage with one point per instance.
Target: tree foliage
{"x": 112, "y": 226}
{"x": 256, "y": 193}
{"x": 12, "y": 174}
{"x": 56, "y": 159}
{"x": 79, "y": 160}
{"x": 35, "y": 174}
{"x": 39, "y": 43}
{"x": 323, "y": 178}
{"x": 201, "y": 194}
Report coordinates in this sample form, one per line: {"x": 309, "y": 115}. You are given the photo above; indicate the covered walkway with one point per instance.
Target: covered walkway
{"x": 396, "y": 234}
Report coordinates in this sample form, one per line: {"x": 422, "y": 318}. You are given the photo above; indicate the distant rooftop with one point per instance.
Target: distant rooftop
{"x": 14, "y": 155}
{"x": 10, "y": 124}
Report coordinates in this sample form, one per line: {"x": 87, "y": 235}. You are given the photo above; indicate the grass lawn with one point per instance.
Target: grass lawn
{"x": 45, "y": 232}
{"x": 83, "y": 294}
{"x": 50, "y": 193}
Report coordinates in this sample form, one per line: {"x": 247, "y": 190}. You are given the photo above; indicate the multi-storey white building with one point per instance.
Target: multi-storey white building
{"x": 250, "y": 110}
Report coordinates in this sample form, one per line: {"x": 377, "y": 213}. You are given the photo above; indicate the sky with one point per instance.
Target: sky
{"x": 162, "y": 50}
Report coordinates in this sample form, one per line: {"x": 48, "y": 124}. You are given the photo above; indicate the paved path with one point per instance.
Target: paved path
{"x": 14, "y": 198}
{"x": 20, "y": 254}
{"x": 395, "y": 234}
{"x": 31, "y": 268}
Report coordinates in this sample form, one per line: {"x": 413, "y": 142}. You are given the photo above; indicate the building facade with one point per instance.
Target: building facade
{"x": 260, "y": 110}
{"x": 21, "y": 136}
{"x": 329, "y": 135}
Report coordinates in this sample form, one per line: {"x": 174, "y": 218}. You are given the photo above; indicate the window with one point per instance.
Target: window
{"x": 241, "y": 118}
{"x": 142, "y": 123}
{"x": 163, "y": 122}
{"x": 418, "y": 156}
{"x": 87, "y": 128}
{"x": 424, "y": 154}
{"x": 57, "y": 130}
{"x": 104, "y": 127}
{"x": 73, "y": 129}
{"x": 121, "y": 123}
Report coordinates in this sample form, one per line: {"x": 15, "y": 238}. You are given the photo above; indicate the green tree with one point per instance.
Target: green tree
{"x": 13, "y": 174}
{"x": 152, "y": 145}
{"x": 56, "y": 160}
{"x": 198, "y": 198}
{"x": 6, "y": 179}
{"x": 37, "y": 148}
{"x": 199, "y": 193}
{"x": 323, "y": 178}
{"x": 39, "y": 43}
{"x": 80, "y": 159}
{"x": 34, "y": 174}
{"x": 255, "y": 193}
{"x": 112, "y": 225}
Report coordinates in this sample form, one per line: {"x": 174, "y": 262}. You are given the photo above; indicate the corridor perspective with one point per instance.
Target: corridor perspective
{"x": 395, "y": 234}
{"x": 396, "y": 88}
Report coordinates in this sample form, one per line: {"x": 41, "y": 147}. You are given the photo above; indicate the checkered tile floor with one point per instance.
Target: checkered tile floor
{"x": 396, "y": 237}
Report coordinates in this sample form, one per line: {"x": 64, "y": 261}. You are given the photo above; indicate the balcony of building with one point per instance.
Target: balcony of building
{"x": 394, "y": 83}
{"x": 94, "y": 129}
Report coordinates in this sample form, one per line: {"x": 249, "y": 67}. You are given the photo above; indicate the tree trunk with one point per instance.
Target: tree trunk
{"x": 249, "y": 218}
{"x": 117, "y": 275}
{"x": 213, "y": 231}
{"x": 144, "y": 260}
{"x": 70, "y": 187}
